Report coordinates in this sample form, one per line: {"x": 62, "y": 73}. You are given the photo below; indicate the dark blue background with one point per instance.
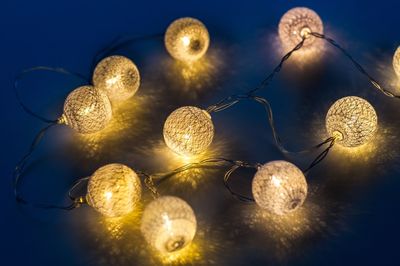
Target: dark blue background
{"x": 352, "y": 213}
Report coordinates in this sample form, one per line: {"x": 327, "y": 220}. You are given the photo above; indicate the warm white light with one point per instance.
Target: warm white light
{"x": 396, "y": 62}
{"x": 114, "y": 190}
{"x": 352, "y": 120}
{"x": 118, "y": 77}
{"x": 86, "y": 110}
{"x": 298, "y": 23}
{"x": 168, "y": 224}
{"x": 279, "y": 187}
{"x": 187, "y": 39}
{"x": 188, "y": 130}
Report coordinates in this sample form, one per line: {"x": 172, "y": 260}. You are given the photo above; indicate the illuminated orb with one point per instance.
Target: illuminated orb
{"x": 352, "y": 120}
{"x": 114, "y": 190}
{"x": 279, "y": 187}
{"x": 188, "y": 130}
{"x": 298, "y": 23}
{"x": 168, "y": 224}
{"x": 187, "y": 39}
{"x": 396, "y": 62}
{"x": 87, "y": 110}
{"x": 118, "y": 77}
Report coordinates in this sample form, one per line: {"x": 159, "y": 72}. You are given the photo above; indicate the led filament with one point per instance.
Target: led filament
{"x": 352, "y": 120}
{"x": 188, "y": 130}
{"x": 279, "y": 187}
{"x": 296, "y": 24}
{"x": 168, "y": 224}
{"x": 86, "y": 110}
{"x": 114, "y": 190}
{"x": 118, "y": 77}
{"x": 187, "y": 39}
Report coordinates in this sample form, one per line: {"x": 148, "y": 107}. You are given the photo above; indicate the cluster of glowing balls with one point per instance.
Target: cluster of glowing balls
{"x": 86, "y": 110}
{"x": 296, "y": 24}
{"x": 352, "y": 120}
{"x": 188, "y": 130}
{"x": 168, "y": 224}
{"x": 114, "y": 190}
{"x": 187, "y": 39}
{"x": 396, "y": 62}
{"x": 118, "y": 77}
{"x": 279, "y": 187}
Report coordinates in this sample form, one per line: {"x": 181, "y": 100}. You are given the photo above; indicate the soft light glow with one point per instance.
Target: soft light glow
{"x": 298, "y": 23}
{"x": 86, "y": 110}
{"x": 352, "y": 120}
{"x": 279, "y": 187}
{"x": 188, "y": 130}
{"x": 187, "y": 39}
{"x": 118, "y": 77}
{"x": 168, "y": 224}
{"x": 396, "y": 61}
{"x": 114, "y": 190}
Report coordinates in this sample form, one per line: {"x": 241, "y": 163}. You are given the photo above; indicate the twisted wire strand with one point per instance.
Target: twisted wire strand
{"x": 25, "y": 72}
{"x": 322, "y": 155}
{"x": 20, "y": 170}
{"x": 231, "y": 100}
{"x": 358, "y": 66}
{"x": 118, "y": 43}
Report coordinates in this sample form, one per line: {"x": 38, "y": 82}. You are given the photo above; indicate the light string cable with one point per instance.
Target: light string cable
{"x": 20, "y": 168}
{"x": 358, "y": 66}
{"x": 120, "y": 42}
{"x": 230, "y": 101}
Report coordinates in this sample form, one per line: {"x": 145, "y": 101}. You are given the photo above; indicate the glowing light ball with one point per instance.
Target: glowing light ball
{"x": 187, "y": 39}
{"x": 396, "y": 62}
{"x": 168, "y": 224}
{"x": 118, "y": 77}
{"x": 188, "y": 130}
{"x": 279, "y": 187}
{"x": 86, "y": 110}
{"x": 114, "y": 190}
{"x": 352, "y": 120}
{"x": 298, "y": 23}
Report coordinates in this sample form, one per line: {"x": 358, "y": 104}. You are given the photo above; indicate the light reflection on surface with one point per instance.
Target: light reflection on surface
{"x": 169, "y": 160}
{"x": 195, "y": 76}
{"x": 125, "y": 124}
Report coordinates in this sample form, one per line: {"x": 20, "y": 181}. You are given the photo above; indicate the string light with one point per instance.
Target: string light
{"x": 86, "y": 110}
{"x": 114, "y": 190}
{"x": 298, "y": 23}
{"x": 188, "y": 130}
{"x": 168, "y": 224}
{"x": 396, "y": 61}
{"x": 118, "y": 77}
{"x": 187, "y": 39}
{"x": 279, "y": 187}
{"x": 352, "y": 121}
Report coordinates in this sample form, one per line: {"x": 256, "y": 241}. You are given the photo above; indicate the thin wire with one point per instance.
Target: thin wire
{"x": 23, "y": 73}
{"x": 119, "y": 43}
{"x": 19, "y": 172}
{"x": 233, "y": 99}
{"x": 322, "y": 155}
{"x": 360, "y": 68}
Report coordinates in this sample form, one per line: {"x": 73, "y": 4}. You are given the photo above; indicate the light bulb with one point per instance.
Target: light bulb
{"x": 187, "y": 39}
{"x": 114, "y": 190}
{"x": 168, "y": 224}
{"x": 188, "y": 130}
{"x": 86, "y": 110}
{"x": 352, "y": 120}
{"x": 396, "y": 61}
{"x": 298, "y": 23}
{"x": 279, "y": 187}
{"x": 118, "y": 77}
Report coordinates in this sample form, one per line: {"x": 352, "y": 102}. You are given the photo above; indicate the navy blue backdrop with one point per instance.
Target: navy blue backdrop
{"x": 352, "y": 213}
